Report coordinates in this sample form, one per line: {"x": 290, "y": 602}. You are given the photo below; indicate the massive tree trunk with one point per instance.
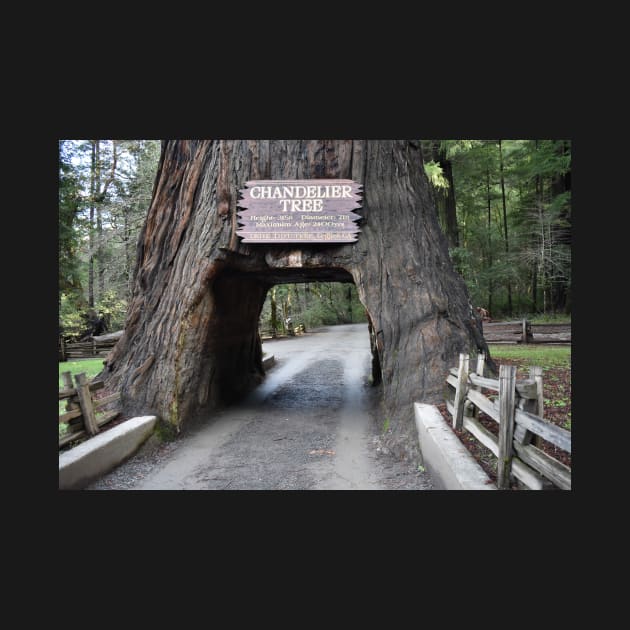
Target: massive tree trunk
{"x": 191, "y": 337}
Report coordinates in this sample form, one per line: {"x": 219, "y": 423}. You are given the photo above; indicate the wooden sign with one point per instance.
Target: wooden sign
{"x": 299, "y": 211}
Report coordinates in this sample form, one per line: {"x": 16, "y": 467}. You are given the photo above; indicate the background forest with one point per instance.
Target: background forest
{"x": 504, "y": 205}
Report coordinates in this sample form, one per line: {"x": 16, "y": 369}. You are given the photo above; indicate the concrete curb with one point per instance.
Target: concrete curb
{"x": 81, "y": 465}
{"x": 269, "y": 361}
{"x": 448, "y": 461}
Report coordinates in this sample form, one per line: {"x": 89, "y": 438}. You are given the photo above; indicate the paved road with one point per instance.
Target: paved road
{"x": 311, "y": 425}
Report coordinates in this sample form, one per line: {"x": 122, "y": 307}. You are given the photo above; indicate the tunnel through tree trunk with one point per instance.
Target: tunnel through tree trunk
{"x": 191, "y": 335}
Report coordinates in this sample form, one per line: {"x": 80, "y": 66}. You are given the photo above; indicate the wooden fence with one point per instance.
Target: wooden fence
{"x": 524, "y": 331}
{"x": 94, "y": 347}
{"x": 81, "y": 408}
{"x": 518, "y": 412}
{"x": 268, "y": 333}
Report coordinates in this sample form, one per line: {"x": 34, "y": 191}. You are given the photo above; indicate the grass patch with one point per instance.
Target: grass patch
{"x": 528, "y": 355}
{"x": 91, "y": 367}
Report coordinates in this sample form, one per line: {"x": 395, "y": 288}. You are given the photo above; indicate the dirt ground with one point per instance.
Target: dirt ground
{"x": 311, "y": 425}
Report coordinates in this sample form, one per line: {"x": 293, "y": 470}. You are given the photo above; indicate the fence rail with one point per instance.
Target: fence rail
{"x": 269, "y": 333}
{"x": 518, "y": 411}
{"x": 93, "y": 347}
{"x": 523, "y": 331}
{"x": 81, "y": 407}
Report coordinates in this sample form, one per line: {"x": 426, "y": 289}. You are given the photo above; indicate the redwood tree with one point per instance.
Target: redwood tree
{"x": 191, "y": 338}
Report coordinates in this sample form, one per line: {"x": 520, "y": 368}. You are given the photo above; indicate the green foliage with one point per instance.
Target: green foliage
{"x": 386, "y": 425}
{"x": 313, "y": 304}
{"x": 534, "y": 264}
{"x": 71, "y": 319}
{"x": 113, "y": 309}
{"x": 102, "y": 226}
{"x": 70, "y": 200}
{"x": 452, "y": 148}
{"x": 435, "y": 174}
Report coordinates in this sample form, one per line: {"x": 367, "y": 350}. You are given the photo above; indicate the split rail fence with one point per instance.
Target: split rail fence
{"x": 81, "y": 408}
{"x": 94, "y": 347}
{"x": 518, "y": 411}
{"x": 523, "y": 331}
{"x": 269, "y": 333}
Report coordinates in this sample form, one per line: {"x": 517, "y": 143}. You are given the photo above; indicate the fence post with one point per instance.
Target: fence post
{"x": 460, "y": 392}
{"x": 527, "y": 336}
{"x": 536, "y": 374}
{"x": 71, "y": 403}
{"x": 67, "y": 380}
{"x": 481, "y": 364}
{"x": 85, "y": 398}
{"x": 532, "y": 405}
{"x": 507, "y": 388}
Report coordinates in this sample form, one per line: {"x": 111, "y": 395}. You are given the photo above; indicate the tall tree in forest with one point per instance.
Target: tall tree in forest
{"x": 441, "y": 178}
{"x": 513, "y": 210}
{"x": 489, "y": 200}
{"x": 561, "y": 235}
{"x": 543, "y": 221}
{"x": 68, "y": 241}
{"x": 101, "y": 160}
{"x": 505, "y": 223}
{"x": 99, "y": 224}
{"x": 540, "y": 238}
{"x": 93, "y": 170}
{"x": 191, "y": 339}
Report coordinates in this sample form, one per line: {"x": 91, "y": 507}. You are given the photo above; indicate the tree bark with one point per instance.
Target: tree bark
{"x": 191, "y": 338}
